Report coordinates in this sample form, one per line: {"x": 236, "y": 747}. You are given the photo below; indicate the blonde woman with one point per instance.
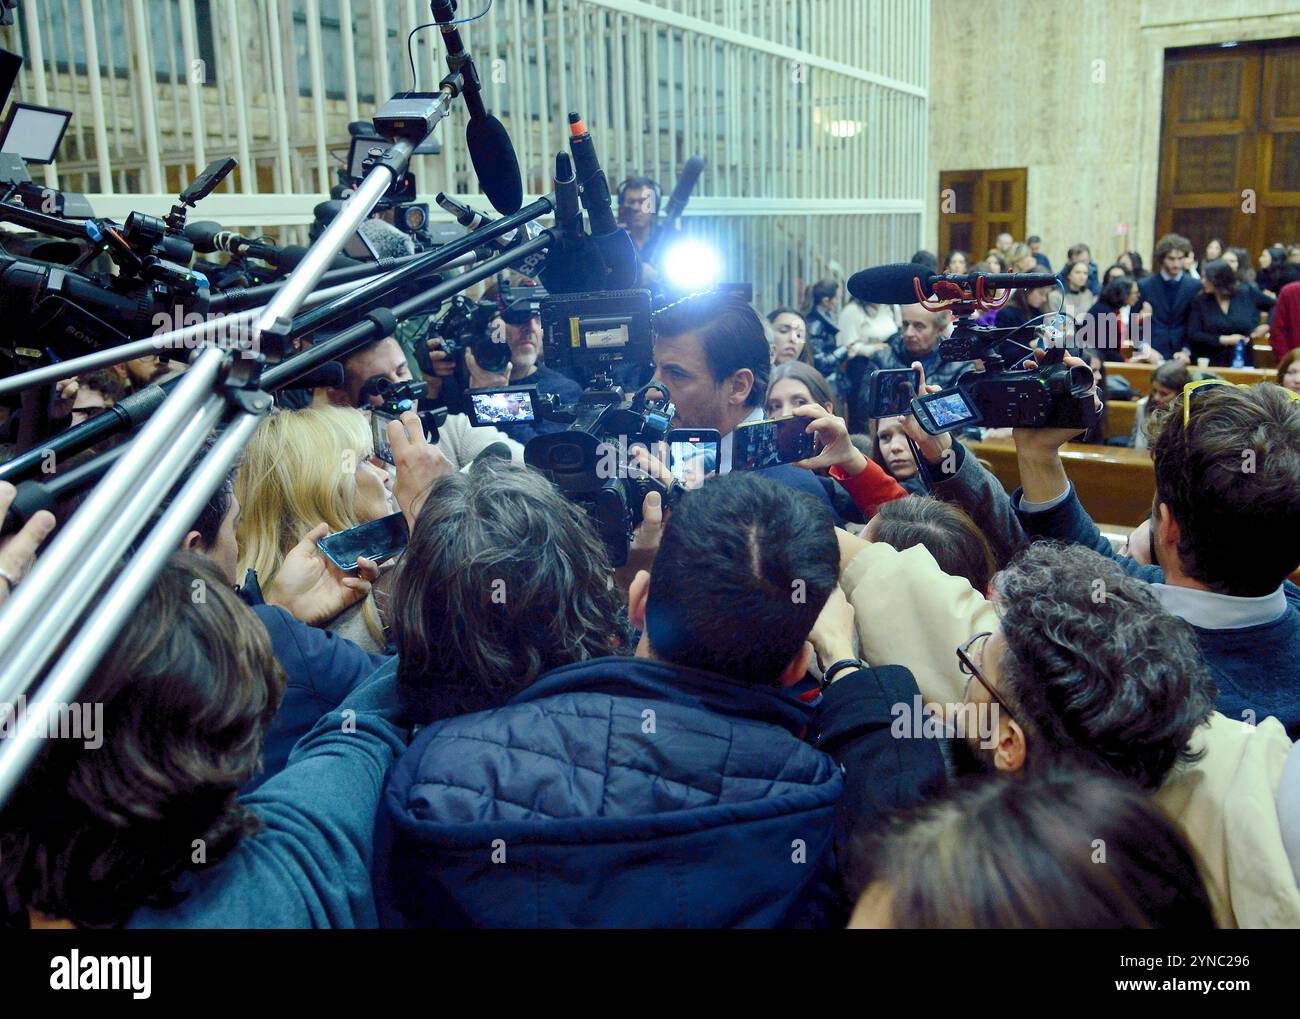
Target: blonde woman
{"x": 303, "y": 468}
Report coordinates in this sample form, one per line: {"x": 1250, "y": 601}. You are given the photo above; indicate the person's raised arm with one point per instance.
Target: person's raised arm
{"x": 864, "y": 479}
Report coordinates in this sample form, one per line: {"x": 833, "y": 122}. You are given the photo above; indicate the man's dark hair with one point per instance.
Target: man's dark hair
{"x": 1231, "y": 479}
{"x": 730, "y": 332}
{"x": 1168, "y": 243}
{"x": 1033, "y": 239}
{"x": 743, "y": 571}
{"x": 1076, "y": 250}
{"x": 90, "y": 836}
{"x": 107, "y": 383}
{"x": 928, "y": 259}
{"x": 1098, "y": 672}
{"x": 1016, "y": 854}
{"x": 502, "y": 580}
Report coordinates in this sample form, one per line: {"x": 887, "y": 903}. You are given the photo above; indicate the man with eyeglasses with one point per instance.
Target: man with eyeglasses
{"x": 1223, "y": 530}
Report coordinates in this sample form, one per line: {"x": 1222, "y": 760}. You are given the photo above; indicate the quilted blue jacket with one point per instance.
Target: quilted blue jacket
{"x": 620, "y": 792}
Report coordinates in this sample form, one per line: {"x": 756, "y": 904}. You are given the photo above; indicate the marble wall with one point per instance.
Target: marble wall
{"x": 1071, "y": 90}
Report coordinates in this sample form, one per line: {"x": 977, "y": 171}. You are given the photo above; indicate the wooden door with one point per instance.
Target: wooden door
{"x": 1230, "y": 145}
{"x": 977, "y": 205}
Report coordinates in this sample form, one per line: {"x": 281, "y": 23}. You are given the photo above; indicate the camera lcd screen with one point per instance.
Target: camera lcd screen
{"x": 502, "y": 406}
{"x": 601, "y": 336}
{"x": 34, "y": 132}
{"x": 947, "y": 411}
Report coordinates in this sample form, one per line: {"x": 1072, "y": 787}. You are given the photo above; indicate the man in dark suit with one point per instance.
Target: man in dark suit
{"x": 1170, "y": 293}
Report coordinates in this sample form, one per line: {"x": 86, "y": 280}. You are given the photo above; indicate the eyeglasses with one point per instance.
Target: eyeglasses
{"x": 1191, "y": 387}
{"x": 968, "y": 668}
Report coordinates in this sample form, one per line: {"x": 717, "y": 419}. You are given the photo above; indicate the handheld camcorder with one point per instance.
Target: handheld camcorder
{"x": 999, "y": 394}
{"x": 397, "y": 398}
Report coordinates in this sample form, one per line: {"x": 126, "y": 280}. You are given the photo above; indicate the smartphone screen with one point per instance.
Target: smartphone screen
{"x": 890, "y": 392}
{"x": 378, "y": 540}
{"x": 693, "y": 455}
{"x": 942, "y": 412}
{"x": 514, "y": 405}
{"x": 771, "y": 442}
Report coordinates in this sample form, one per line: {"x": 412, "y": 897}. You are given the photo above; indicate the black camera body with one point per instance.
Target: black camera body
{"x": 589, "y": 460}
{"x": 466, "y": 324}
{"x": 1050, "y": 394}
{"x": 588, "y": 335}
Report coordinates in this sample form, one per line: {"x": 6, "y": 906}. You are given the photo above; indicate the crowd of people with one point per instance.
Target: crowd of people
{"x": 871, "y": 687}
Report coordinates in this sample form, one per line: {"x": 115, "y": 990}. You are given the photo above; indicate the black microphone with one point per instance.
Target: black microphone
{"x": 889, "y": 284}
{"x": 896, "y": 284}
{"x": 573, "y": 264}
{"x": 207, "y": 237}
{"x": 490, "y": 149}
{"x": 682, "y": 190}
{"x": 619, "y": 254}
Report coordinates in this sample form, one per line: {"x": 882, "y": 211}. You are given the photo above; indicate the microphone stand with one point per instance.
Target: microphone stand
{"x": 42, "y": 612}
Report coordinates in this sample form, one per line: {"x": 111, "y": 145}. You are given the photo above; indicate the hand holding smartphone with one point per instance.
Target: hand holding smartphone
{"x": 762, "y": 444}
{"x": 693, "y": 455}
{"x": 378, "y": 540}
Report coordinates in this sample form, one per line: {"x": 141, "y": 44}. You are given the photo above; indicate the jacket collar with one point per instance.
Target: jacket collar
{"x": 622, "y": 676}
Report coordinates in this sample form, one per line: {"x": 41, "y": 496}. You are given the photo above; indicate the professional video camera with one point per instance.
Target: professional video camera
{"x": 589, "y": 335}
{"x": 466, "y": 325}
{"x": 1046, "y": 394}
{"x": 55, "y": 312}
{"x": 408, "y": 215}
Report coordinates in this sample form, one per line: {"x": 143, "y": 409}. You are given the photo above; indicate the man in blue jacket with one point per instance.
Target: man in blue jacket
{"x": 673, "y": 788}
{"x": 1170, "y": 292}
{"x": 1227, "y": 465}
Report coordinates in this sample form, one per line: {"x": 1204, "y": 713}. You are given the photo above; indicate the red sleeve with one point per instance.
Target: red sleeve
{"x": 1284, "y": 326}
{"x": 871, "y": 488}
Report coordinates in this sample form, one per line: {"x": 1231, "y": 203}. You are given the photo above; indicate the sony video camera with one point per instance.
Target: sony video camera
{"x": 1045, "y": 394}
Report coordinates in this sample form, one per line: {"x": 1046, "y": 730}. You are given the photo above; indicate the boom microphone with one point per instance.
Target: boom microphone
{"x": 896, "y": 284}
{"x": 682, "y": 190}
{"x": 490, "y": 149}
{"x": 623, "y": 265}
{"x": 573, "y": 264}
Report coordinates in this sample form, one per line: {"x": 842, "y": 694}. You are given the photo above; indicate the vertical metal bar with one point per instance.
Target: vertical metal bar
{"x": 190, "y": 54}
{"x": 379, "y": 25}
{"x": 149, "y": 126}
{"x": 96, "y": 97}
{"x": 75, "y": 98}
{"x": 522, "y": 116}
{"x": 283, "y": 163}
{"x": 547, "y": 123}
{"x": 112, "y": 79}
{"x": 246, "y": 176}
{"x": 349, "y": 59}
{"x": 36, "y": 61}
{"x": 173, "y": 76}
{"x": 316, "y": 63}
{"x": 562, "y": 62}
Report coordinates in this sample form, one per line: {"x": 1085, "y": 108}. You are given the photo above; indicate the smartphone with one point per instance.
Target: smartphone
{"x": 693, "y": 455}
{"x": 379, "y": 437}
{"x": 942, "y": 412}
{"x": 773, "y": 441}
{"x": 378, "y": 540}
{"x": 890, "y": 392}
{"x": 510, "y": 406}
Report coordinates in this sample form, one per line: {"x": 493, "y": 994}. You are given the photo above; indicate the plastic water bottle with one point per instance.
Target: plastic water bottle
{"x": 1239, "y": 355}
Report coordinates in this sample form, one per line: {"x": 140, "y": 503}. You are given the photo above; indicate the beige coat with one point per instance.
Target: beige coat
{"x": 911, "y": 613}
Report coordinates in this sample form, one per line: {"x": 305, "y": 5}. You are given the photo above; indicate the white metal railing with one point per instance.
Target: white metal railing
{"x": 811, "y": 113}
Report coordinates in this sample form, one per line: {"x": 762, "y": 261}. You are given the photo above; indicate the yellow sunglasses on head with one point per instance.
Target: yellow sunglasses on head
{"x": 1191, "y": 387}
